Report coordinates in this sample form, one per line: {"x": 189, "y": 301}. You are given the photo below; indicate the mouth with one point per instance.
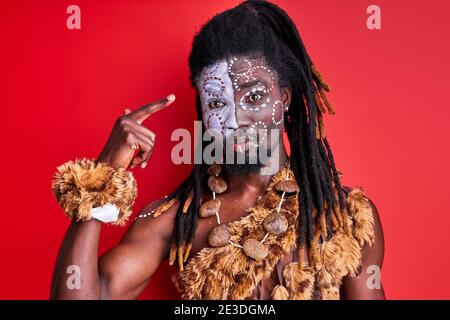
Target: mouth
{"x": 243, "y": 145}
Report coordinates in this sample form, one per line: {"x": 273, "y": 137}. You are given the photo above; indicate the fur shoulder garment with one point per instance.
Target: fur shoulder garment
{"x": 228, "y": 273}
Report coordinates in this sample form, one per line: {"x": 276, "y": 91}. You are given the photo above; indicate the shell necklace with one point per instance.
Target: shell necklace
{"x": 275, "y": 223}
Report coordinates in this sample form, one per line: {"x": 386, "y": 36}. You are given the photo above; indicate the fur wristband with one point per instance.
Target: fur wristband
{"x": 84, "y": 184}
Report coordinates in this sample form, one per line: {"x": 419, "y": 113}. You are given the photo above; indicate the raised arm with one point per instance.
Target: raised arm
{"x": 124, "y": 270}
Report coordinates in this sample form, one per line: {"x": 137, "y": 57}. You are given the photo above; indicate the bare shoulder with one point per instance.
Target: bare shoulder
{"x": 146, "y": 226}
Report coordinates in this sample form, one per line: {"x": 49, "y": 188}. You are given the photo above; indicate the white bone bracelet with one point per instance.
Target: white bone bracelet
{"x": 107, "y": 213}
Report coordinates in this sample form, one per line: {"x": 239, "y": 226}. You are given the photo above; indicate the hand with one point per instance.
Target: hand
{"x": 130, "y": 143}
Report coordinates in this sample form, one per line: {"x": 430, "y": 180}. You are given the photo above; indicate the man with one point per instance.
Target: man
{"x": 293, "y": 234}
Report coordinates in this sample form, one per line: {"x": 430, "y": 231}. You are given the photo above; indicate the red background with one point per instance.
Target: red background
{"x": 61, "y": 91}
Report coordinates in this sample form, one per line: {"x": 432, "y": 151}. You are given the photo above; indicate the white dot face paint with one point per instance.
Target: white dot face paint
{"x": 249, "y": 78}
{"x": 240, "y": 93}
{"x": 256, "y": 92}
{"x": 217, "y": 99}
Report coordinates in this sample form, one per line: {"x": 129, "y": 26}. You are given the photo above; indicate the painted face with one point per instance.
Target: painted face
{"x": 217, "y": 99}
{"x": 241, "y": 93}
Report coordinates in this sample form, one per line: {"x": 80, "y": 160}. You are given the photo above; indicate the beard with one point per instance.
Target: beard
{"x": 250, "y": 161}
{"x": 240, "y": 153}
{"x": 242, "y": 169}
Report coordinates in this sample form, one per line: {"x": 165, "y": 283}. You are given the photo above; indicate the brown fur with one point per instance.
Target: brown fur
{"x": 227, "y": 273}
{"x": 280, "y": 292}
{"x": 341, "y": 256}
{"x": 82, "y": 185}
{"x": 359, "y": 206}
{"x": 299, "y": 280}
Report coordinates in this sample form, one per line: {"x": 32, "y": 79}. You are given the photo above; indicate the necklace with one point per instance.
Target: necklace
{"x": 274, "y": 224}
{"x": 244, "y": 252}
{"x": 258, "y": 240}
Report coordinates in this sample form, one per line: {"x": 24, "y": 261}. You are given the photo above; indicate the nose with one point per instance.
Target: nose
{"x": 238, "y": 118}
{"x": 242, "y": 117}
{"x": 230, "y": 124}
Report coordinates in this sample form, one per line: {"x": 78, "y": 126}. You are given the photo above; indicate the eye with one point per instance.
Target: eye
{"x": 254, "y": 97}
{"x": 215, "y": 104}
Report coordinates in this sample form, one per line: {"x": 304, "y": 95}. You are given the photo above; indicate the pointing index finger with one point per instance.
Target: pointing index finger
{"x": 145, "y": 111}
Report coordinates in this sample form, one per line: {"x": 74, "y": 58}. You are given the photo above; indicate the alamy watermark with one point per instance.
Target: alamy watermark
{"x": 74, "y": 279}
{"x": 243, "y": 146}
{"x": 73, "y": 21}
{"x": 374, "y": 280}
{"x": 373, "y": 21}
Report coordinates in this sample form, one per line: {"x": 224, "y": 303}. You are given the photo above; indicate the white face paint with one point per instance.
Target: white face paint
{"x": 217, "y": 99}
{"x": 249, "y": 82}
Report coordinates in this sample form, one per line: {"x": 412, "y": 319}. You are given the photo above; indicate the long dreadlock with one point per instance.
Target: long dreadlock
{"x": 260, "y": 27}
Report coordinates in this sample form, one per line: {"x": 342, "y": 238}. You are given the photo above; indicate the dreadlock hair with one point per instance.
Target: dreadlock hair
{"x": 260, "y": 27}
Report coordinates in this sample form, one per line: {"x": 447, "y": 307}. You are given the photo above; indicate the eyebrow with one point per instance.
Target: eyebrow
{"x": 251, "y": 84}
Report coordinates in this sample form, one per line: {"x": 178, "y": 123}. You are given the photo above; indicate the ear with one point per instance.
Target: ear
{"x": 286, "y": 95}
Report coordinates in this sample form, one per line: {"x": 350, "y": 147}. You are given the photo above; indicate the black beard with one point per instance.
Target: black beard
{"x": 245, "y": 168}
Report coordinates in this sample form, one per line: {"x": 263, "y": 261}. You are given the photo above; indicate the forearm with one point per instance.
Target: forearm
{"x": 105, "y": 181}
{"x": 76, "y": 273}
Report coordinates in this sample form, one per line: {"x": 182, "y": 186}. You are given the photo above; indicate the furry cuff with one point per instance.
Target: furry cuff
{"x": 85, "y": 184}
